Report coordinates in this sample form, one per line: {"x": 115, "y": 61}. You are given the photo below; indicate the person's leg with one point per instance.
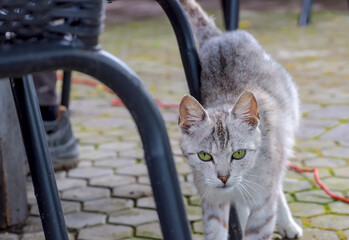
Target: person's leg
{"x": 61, "y": 141}
{"x": 45, "y": 85}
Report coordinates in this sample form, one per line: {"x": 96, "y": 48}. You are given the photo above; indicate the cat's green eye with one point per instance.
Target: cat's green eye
{"x": 205, "y": 156}
{"x": 239, "y": 154}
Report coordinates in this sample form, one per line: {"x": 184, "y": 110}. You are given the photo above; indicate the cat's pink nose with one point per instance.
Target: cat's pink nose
{"x": 224, "y": 179}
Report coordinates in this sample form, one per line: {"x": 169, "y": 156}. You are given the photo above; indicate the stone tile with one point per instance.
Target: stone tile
{"x": 188, "y": 189}
{"x": 107, "y": 205}
{"x": 133, "y": 217}
{"x": 339, "y": 133}
{"x": 144, "y": 180}
{"x": 339, "y": 207}
{"x": 83, "y": 219}
{"x": 146, "y": 202}
{"x": 117, "y": 146}
{"x": 309, "y": 132}
{"x": 133, "y": 191}
{"x": 60, "y": 174}
{"x": 105, "y": 232}
{"x": 336, "y": 183}
{"x": 305, "y": 108}
{"x": 307, "y": 145}
{"x": 97, "y": 154}
{"x": 133, "y": 170}
{"x": 68, "y": 183}
{"x": 347, "y": 233}
{"x": 183, "y": 168}
{"x": 317, "y": 234}
{"x": 8, "y": 236}
{"x": 340, "y": 152}
{"x": 67, "y": 206}
{"x": 33, "y": 224}
{"x": 198, "y": 227}
{"x": 112, "y": 181}
{"x": 198, "y": 237}
{"x": 194, "y": 200}
{"x": 305, "y": 209}
{"x": 336, "y": 112}
{"x": 330, "y": 221}
{"x": 132, "y": 153}
{"x": 193, "y": 213}
{"x": 315, "y": 196}
{"x": 325, "y": 162}
{"x": 114, "y": 162}
{"x": 292, "y": 185}
{"x": 89, "y": 173}
{"x": 84, "y": 164}
{"x": 34, "y": 236}
{"x": 342, "y": 172}
{"x": 85, "y": 194}
{"x": 151, "y": 230}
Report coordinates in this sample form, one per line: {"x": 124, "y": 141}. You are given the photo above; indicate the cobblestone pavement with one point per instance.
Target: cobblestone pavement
{"x": 108, "y": 195}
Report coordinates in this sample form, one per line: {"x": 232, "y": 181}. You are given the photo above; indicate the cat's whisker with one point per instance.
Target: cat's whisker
{"x": 251, "y": 198}
{"x": 248, "y": 184}
{"x": 241, "y": 194}
{"x": 255, "y": 203}
{"x": 246, "y": 195}
{"x": 256, "y": 184}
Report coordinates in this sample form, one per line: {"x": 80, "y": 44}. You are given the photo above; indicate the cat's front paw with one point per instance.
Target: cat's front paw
{"x": 216, "y": 232}
{"x": 291, "y": 231}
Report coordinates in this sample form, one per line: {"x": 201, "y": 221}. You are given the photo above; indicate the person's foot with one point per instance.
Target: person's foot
{"x": 62, "y": 144}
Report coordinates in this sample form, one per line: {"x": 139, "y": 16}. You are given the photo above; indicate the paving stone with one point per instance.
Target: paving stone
{"x": 305, "y": 209}
{"x": 114, "y": 162}
{"x": 336, "y": 112}
{"x": 117, "y": 146}
{"x": 84, "y": 164}
{"x": 305, "y": 108}
{"x": 83, "y": 219}
{"x": 85, "y": 194}
{"x": 146, "y": 202}
{"x": 132, "y": 153}
{"x": 144, "y": 180}
{"x": 68, "y": 183}
{"x": 60, "y": 174}
{"x": 33, "y": 224}
{"x": 112, "y": 181}
{"x": 317, "y": 234}
{"x": 151, "y": 230}
{"x": 339, "y": 133}
{"x": 133, "y": 191}
{"x": 339, "y": 207}
{"x": 133, "y": 217}
{"x": 306, "y": 145}
{"x": 303, "y": 155}
{"x": 34, "y": 236}
{"x": 342, "y": 172}
{"x": 309, "y": 132}
{"x": 198, "y": 237}
{"x": 107, "y": 205}
{"x": 347, "y": 233}
{"x": 325, "y": 162}
{"x": 89, "y": 173}
{"x": 67, "y": 206}
{"x": 183, "y": 168}
{"x": 336, "y": 183}
{"x": 133, "y": 170}
{"x": 188, "y": 189}
{"x": 292, "y": 185}
{"x": 198, "y": 227}
{"x": 105, "y": 232}
{"x": 193, "y": 212}
{"x": 340, "y": 152}
{"x": 315, "y": 196}
{"x": 330, "y": 221}
{"x": 8, "y": 236}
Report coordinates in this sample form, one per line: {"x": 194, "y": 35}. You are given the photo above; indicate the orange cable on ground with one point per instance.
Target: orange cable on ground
{"x": 117, "y": 102}
{"x": 318, "y": 181}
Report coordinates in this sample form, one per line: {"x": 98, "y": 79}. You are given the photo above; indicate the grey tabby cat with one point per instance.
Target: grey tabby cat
{"x": 238, "y": 141}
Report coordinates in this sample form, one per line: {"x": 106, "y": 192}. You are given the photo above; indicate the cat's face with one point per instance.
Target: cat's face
{"x": 220, "y": 144}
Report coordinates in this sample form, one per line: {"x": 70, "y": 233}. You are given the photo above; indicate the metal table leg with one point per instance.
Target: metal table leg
{"x": 304, "y": 18}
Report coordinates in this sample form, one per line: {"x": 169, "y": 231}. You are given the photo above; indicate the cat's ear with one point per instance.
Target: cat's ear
{"x": 246, "y": 109}
{"x": 190, "y": 112}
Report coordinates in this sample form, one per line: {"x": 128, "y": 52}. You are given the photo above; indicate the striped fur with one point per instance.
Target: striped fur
{"x": 248, "y": 102}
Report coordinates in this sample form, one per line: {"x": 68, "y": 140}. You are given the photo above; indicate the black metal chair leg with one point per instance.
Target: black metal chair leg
{"x": 231, "y": 10}
{"x": 132, "y": 92}
{"x": 304, "y": 18}
{"x": 39, "y": 159}
{"x": 66, "y": 88}
{"x": 186, "y": 44}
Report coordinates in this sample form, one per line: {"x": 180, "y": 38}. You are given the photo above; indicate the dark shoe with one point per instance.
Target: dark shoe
{"x": 62, "y": 144}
